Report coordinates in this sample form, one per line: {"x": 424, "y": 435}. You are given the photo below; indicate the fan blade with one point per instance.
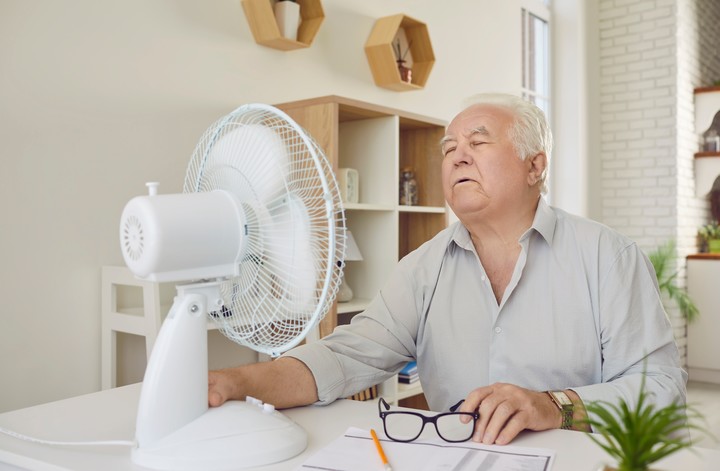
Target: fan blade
{"x": 256, "y": 152}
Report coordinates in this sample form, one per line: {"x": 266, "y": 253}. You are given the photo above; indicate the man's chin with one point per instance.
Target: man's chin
{"x": 468, "y": 206}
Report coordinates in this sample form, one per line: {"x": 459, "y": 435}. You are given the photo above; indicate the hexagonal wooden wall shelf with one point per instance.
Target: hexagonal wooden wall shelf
{"x": 265, "y": 30}
{"x": 382, "y": 56}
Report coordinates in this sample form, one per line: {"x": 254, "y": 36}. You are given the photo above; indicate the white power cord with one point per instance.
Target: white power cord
{"x": 58, "y": 443}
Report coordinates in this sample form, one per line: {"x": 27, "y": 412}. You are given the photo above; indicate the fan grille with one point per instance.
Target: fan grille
{"x": 295, "y": 226}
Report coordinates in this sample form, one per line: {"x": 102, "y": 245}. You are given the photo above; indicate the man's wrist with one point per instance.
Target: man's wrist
{"x": 579, "y": 413}
{"x": 565, "y": 406}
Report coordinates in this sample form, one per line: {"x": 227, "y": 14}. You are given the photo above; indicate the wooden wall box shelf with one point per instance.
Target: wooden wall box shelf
{"x": 265, "y": 30}
{"x": 382, "y": 57}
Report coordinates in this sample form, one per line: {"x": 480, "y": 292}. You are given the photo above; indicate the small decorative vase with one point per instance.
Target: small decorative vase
{"x": 345, "y": 292}
{"x": 714, "y": 245}
{"x": 287, "y": 14}
{"x": 405, "y": 73}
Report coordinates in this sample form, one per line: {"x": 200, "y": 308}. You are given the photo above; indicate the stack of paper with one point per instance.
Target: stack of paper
{"x": 355, "y": 451}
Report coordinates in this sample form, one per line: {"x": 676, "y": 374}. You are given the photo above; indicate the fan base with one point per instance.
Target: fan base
{"x": 236, "y": 435}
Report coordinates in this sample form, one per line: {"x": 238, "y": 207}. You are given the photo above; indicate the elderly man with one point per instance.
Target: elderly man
{"x": 525, "y": 311}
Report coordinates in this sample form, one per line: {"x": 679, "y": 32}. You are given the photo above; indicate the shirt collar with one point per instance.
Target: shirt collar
{"x": 461, "y": 237}
{"x": 543, "y": 223}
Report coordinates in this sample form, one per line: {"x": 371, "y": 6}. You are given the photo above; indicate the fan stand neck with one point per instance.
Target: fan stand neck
{"x": 175, "y": 429}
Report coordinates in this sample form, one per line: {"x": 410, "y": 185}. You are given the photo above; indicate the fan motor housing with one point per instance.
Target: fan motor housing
{"x": 179, "y": 237}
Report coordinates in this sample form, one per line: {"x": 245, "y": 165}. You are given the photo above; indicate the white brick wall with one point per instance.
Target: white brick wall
{"x": 652, "y": 54}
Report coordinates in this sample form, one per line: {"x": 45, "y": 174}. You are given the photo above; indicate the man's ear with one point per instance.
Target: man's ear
{"x": 536, "y": 167}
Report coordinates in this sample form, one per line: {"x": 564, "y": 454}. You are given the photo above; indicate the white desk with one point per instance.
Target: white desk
{"x": 110, "y": 415}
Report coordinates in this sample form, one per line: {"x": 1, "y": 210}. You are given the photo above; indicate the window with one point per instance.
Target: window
{"x": 535, "y": 59}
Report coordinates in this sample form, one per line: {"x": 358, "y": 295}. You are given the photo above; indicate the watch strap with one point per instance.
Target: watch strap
{"x": 566, "y": 406}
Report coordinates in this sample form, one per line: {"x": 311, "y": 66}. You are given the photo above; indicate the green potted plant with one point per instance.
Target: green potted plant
{"x": 710, "y": 236}
{"x": 639, "y": 436}
{"x": 661, "y": 258}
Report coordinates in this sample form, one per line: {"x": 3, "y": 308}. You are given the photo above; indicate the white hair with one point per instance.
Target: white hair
{"x": 530, "y": 133}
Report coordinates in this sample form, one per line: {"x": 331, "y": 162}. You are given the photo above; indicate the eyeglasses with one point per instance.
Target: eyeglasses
{"x": 405, "y": 426}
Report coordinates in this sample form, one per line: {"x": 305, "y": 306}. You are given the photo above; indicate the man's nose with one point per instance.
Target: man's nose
{"x": 462, "y": 155}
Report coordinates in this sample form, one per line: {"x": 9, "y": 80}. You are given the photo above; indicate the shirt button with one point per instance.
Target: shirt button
{"x": 498, "y": 330}
{"x": 483, "y": 278}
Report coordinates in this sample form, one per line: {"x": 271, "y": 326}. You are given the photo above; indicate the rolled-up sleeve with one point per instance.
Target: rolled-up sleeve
{"x": 374, "y": 347}
{"x": 636, "y": 336}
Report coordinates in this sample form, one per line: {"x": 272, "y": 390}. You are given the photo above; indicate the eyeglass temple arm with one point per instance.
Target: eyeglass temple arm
{"x": 455, "y": 407}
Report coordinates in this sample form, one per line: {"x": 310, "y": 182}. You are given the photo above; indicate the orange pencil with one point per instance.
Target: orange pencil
{"x": 380, "y": 450}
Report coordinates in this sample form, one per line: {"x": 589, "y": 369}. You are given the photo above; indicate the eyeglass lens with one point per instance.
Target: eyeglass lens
{"x": 451, "y": 428}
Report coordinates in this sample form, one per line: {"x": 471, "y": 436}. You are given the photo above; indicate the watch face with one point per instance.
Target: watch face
{"x": 562, "y": 398}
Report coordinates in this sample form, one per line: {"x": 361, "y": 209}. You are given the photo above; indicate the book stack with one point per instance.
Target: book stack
{"x": 409, "y": 374}
{"x": 366, "y": 395}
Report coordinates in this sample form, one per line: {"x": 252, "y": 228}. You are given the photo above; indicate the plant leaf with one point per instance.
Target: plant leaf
{"x": 641, "y": 435}
{"x": 660, "y": 258}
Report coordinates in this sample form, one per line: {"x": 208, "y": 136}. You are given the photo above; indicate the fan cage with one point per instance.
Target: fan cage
{"x": 290, "y": 272}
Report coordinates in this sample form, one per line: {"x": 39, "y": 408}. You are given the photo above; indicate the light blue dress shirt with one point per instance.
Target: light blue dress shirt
{"x": 582, "y": 311}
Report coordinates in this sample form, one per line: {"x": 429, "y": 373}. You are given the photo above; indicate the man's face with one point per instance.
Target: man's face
{"x": 481, "y": 169}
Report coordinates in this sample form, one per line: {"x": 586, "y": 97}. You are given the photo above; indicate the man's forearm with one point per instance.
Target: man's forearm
{"x": 285, "y": 382}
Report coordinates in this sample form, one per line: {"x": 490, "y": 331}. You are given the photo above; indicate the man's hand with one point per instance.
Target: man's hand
{"x": 506, "y": 410}
{"x": 223, "y": 386}
{"x": 285, "y": 382}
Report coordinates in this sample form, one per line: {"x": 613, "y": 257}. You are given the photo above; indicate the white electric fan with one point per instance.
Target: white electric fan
{"x": 258, "y": 237}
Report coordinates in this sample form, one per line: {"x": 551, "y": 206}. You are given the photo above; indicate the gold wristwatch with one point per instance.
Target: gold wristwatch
{"x": 565, "y": 405}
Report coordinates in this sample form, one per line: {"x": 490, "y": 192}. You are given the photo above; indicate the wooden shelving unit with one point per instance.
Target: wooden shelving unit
{"x": 382, "y": 57}
{"x": 707, "y": 164}
{"x": 265, "y": 30}
{"x": 378, "y": 141}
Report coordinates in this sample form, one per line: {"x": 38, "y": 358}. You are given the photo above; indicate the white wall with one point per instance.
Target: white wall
{"x": 98, "y": 97}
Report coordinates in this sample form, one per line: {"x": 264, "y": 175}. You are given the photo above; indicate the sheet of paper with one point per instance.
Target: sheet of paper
{"x": 355, "y": 451}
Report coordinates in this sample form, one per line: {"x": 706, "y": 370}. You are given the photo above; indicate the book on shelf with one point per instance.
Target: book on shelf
{"x": 410, "y": 380}
{"x": 366, "y": 394}
{"x": 409, "y": 373}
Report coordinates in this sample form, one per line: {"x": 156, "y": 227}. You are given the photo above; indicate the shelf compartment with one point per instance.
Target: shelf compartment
{"x": 374, "y": 232}
{"x": 408, "y": 390}
{"x": 707, "y": 104}
{"x": 354, "y": 305}
{"x": 382, "y": 58}
{"x": 707, "y": 170}
{"x": 368, "y": 207}
{"x": 422, "y": 209}
{"x": 417, "y": 228}
{"x": 369, "y": 145}
{"x": 265, "y": 30}
{"x": 420, "y": 150}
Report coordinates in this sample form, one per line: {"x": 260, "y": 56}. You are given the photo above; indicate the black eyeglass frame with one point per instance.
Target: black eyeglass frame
{"x": 425, "y": 420}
